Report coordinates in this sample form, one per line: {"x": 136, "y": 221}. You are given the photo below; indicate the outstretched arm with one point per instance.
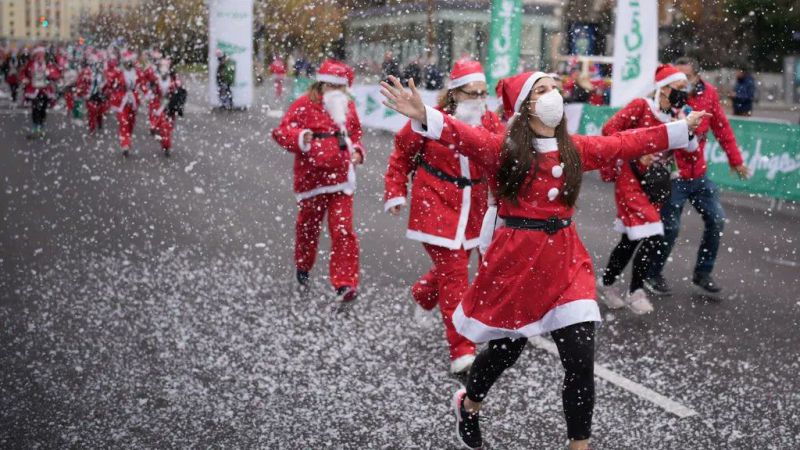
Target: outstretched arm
{"x": 474, "y": 142}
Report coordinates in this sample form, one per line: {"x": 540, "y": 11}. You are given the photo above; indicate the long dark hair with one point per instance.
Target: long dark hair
{"x": 519, "y": 154}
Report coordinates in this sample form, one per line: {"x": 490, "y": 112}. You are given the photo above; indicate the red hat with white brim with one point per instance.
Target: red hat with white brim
{"x": 465, "y": 71}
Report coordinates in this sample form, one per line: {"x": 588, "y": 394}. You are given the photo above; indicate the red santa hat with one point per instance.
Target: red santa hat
{"x": 666, "y": 74}
{"x": 128, "y": 56}
{"x": 335, "y": 72}
{"x": 38, "y": 50}
{"x": 465, "y": 71}
{"x": 514, "y": 90}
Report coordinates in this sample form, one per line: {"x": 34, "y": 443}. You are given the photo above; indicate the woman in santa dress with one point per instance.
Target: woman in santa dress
{"x": 39, "y": 78}
{"x": 639, "y": 217}
{"x": 536, "y": 276}
{"x": 322, "y": 130}
{"x": 448, "y": 201}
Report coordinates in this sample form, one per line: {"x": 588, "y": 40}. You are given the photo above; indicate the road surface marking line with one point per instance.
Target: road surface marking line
{"x": 605, "y": 373}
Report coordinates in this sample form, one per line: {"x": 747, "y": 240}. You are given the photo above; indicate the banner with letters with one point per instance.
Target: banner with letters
{"x": 635, "y": 50}
{"x": 230, "y": 29}
{"x": 504, "y": 40}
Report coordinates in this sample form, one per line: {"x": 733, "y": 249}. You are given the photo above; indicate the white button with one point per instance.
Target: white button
{"x": 552, "y": 194}
{"x": 557, "y": 171}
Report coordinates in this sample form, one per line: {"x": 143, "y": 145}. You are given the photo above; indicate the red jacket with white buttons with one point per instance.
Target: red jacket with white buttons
{"x": 322, "y": 167}
{"x": 441, "y": 213}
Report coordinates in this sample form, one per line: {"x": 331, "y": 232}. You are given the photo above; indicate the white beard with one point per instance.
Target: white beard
{"x": 336, "y": 103}
{"x": 470, "y": 111}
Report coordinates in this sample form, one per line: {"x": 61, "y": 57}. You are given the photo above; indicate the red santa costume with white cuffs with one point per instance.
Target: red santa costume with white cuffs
{"x": 636, "y": 215}
{"x": 448, "y": 201}
{"x": 324, "y": 177}
{"x": 124, "y": 86}
{"x": 165, "y": 84}
{"x": 535, "y": 281}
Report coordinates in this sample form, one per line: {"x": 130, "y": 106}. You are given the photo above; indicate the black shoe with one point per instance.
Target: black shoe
{"x": 125, "y": 153}
{"x": 657, "y": 285}
{"x": 302, "y": 278}
{"x": 346, "y": 294}
{"x": 166, "y": 152}
{"x": 706, "y": 283}
{"x": 468, "y": 430}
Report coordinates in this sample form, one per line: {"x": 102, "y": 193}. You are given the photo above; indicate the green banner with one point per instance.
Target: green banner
{"x": 504, "y": 40}
{"x": 770, "y": 150}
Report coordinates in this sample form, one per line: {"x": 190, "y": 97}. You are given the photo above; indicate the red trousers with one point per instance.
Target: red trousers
{"x": 278, "y": 83}
{"x": 69, "y": 101}
{"x": 164, "y": 125}
{"x": 95, "y": 110}
{"x": 152, "y": 113}
{"x": 127, "y": 120}
{"x": 344, "y": 244}
{"x": 450, "y": 278}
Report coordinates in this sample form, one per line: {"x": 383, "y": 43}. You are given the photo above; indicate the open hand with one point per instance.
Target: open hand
{"x": 695, "y": 117}
{"x": 357, "y": 158}
{"x": 406, "y": 103}
{"x": 742, "y": 171}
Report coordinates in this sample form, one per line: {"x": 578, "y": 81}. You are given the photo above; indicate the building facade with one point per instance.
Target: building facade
{"x": 457, "y": 28}
{"x": 52, "y": 20}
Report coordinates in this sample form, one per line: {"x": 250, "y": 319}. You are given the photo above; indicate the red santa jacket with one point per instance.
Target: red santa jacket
{"x": 636, "y": 216}
{"x": 532, "y": 282}
{"x": 322, "y": 167}
{"x": 441, "y": 213}
{"x": 123, "y": 87}
{"x": 161, "y": 89}
{"x": 693, "y": 164}
{"x": 83, "y": 85}
{"x": 40, "y": 77}
{"x": 277, "y": 67}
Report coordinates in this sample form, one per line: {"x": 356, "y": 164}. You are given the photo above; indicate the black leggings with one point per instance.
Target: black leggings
{"x": 649, "y": 248}
{"x": 575, "y": 348}
{"x": 39, "y": 109}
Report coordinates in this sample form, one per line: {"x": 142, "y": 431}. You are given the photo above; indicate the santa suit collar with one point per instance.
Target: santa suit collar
{"x": 660, "y": 115}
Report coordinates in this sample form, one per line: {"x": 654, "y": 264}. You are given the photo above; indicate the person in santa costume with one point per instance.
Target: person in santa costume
{"x": 124, "y": 86}
{"x": 39, "y": 78}
{"x": 166, "y": 87}
{"x": 536, "y": 276}
{"x": 278, "y": 70}
{"x": 92, "y": 83}
{"x": 11, "y": 68}
{"x": 322, "y": 130}
{"x": 150, "y": 74}
{"x": 639, "y": 212}
{"x": 448, "y": 201}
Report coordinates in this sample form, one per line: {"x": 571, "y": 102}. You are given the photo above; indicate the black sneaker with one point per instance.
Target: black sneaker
{"x": 468, "y": 431}
{"x": 657, "y": 286}
{"x": 706, "y": 283}
{"x": 302, "y": 278}
{"x": 346, "y": 294}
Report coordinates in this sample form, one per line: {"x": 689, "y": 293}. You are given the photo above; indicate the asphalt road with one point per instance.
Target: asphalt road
{"x": 150, "y": 302}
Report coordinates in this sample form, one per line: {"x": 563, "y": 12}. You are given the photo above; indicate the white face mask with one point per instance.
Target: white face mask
{"x": 550, "y": 108}
{"x": 336, "y": 102}
{"x": 470, "y": 111}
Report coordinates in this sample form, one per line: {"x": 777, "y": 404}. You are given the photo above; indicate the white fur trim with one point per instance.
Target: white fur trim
{"x": 637, "y": 232}
{"x": 435, "y": 124}
{"x": 332, "y": 79}
{"x": 347, "y": 187}
{"x": 470, "y": 244}
{"x": 392, "y": 202}
{"x": 466, "y": 79}
{"x": 546, "y": 145}
{"x": 678, "y": 134}
{"x": 526, "y": 88}
{"x": 432, "y": 239}
{"x": 693, "y": 144}
{"x": 670, "y": 79}
{"x": 660, "y": 115}
{"x": 300, "y": 141}
{"x": 576, "y": 311}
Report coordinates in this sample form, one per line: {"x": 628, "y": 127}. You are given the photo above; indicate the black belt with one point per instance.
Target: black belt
{"x": 549, "y": 226}
{"x": 337, "y": 134}
{"x": 460, "y": 182}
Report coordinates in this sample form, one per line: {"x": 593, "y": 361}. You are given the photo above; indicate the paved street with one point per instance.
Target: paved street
{"x": 151, "y": 303}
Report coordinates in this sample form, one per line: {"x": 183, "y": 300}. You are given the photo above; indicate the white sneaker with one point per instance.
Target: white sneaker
{"x": 461, "y": 364}
{"x": 638, "y": 302}
{"x": 612, "y": 296}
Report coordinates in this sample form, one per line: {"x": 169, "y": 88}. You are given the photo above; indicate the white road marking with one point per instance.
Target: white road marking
{"x": 607, "y": 374}
{"x": 782, "y": 262}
